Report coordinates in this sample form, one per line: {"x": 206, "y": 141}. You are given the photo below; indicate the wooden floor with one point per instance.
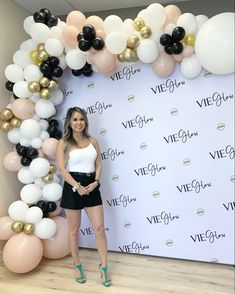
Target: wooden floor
{"x": 131, "y": 274}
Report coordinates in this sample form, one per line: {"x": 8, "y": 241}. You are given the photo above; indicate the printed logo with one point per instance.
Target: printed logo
{"x": 134, "y": 247}
{"x": 139, "y": 121}
{"x": 90, "y": 85}
{"x": 228, "y": 151}
{"x": 115, "y": 178}
{"x": 127, "y": 225}
{"x": 168, "y": 86}
{"x": 229, "y": 206}
{"x": 126, "y": 73}
{"x": 169, "y": 243}
{"x": 103, "y": 132}
{"x": 89, "y": 231}
{"x": 143, "y": 146}
{"x": 195, "y": 186}
{"x": 182, "y": 136}
{"x": 200, "y": 211}
{"x": 150, "y": 169}
{"x": 187, "y": 161}
{"x": 232, "y": 179}
{"x": 216, "y": 99}
{"x": 156, "y": 194}
{"x": 98, "y": 107}
{"x": 123, "y": 200}
{"x": 208, "y": 236}
{"x": 131, "y": 98}
{"x": 162, "y": 218}
{"x": 173, "y": 111}
{"x": 220, "y": 126}
{"x": 111, "y": 154}
{"x": 67, "y": 93}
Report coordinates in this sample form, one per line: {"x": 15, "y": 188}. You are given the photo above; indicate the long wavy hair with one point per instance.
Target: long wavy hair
{"x": 68, "y": 137}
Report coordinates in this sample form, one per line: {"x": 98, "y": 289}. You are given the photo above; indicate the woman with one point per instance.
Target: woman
{"x": 79, "y": 163}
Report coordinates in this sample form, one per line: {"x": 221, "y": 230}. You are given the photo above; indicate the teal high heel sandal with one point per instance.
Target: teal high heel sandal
{"x": 103, "y": 271}
{"x": 82, "y": 278}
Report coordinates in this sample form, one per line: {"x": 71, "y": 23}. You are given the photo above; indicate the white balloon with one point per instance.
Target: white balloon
{"x": 142, "y": 14}
{"x": 39, "y": 182}
{"x": 17, "y": 210}
{"x": 21, "y": 90}
{"x": 190, "y": 67}
{"x": 62, "y": 62}
{"x": 44, "y": 108}
{"x": 54, "y": 47}
{"x": 169, "y": 28}
{"x": 31, "y": 193}
{"x": 29, "y": 45}
{"x": 36, "y": 117}
{"x": 40, "y": 32}
{"x": 75, "y": 59}
{"x": 21, "y": 57}
{"x": 33, "y": 215}
{"x": 115, "y": 42}
{"x": 45, "y": 229}
{"x": 32, "y": 73}
{"x": 36, "y": 142}
{"x": 30, "y": 128}
{"x": 188, "y": 22}
{"x": 14, "y": 135}
{"x": 56, "y": 32}
{"x": 52, "y": 192}
{"x": 44, "y": 124}
{"x": 112, "y": 23}
{"x": 57, "y": 97}
{"x": 39, "y": 167}
{"x": 201, "y": 19}
{"x": 128, "y": 30}
{"x": 28, "y": 23}
{"x": 35, "y": 97}
{"x": 154, "y": 16}
{"x": 25, "y": 176}
{"x": 214, "y": 45}
{"x": 128, "y": 21}
{"x": 14, "y": 73}
{"x": 25, "y": 142}
{"x": 44, "y": 135}
{"x": 147, "y": 50}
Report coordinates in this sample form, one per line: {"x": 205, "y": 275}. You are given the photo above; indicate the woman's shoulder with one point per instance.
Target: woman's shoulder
{"x": 93, "y": 140}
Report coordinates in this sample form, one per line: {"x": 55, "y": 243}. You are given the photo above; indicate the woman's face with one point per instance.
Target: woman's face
{"x": 77, "y": 122}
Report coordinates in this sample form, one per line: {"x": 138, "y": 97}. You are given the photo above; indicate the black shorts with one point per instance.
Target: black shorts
{"x": 72, "y": 200}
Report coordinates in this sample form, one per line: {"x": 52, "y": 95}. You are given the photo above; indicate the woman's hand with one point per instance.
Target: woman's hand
{"x": 91, "y": 186}
{"x": 82, "y": 190}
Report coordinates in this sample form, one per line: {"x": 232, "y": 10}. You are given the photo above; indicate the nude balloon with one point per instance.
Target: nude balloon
{"x": 95, "y": 21}
{"x": 172, "y": 14}
{"x": 164, "y": 65}
{"x": 5, "y": 228}
{"x": 23, "y": 108}
{"x": 104, "y": 61}
{"x": 49, "y": 147}
{"x": 76, "y": 18}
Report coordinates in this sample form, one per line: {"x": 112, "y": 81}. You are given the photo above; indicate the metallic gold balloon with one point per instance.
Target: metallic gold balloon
{"x": 15, "y": 122}
{"x": 138, "y": 23}
{"x": 189, "y": 40}
{"x": 145, "y": 32}
{"x": 43, "y": 55}
{"x": 133, "y": 41}
{"x": 5, "y": 126}
{"x": 52, "y": 169}
{"x": 120, "y": 57}
{"x": 128, "y": 55}
{"x": 34, "y": 87}
{"x": 41, "y": 47}
{"x": 44, "y": 82}
{"x": 135, "y": 56}
{"x": 44, "y": 93}
{"x": 34, "y": 55}
{"x": 47, "y": 178}
{"x": 17, "y": 226}
{"x": 52, "y": 84}
{"x": 29, "y": 228}
{"x": 6, "y": 114}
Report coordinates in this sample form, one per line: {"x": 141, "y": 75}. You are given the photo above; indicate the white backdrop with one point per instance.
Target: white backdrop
{"x": 167, "y": 148}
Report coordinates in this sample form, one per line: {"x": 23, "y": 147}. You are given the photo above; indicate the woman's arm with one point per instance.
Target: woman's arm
{"x": 98, "y": 162}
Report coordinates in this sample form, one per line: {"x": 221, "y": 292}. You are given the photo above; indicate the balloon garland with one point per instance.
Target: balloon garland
{"x": 158, "y": 36}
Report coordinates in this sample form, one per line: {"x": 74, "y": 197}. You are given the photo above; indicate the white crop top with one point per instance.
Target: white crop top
{"x": 82, "y": 159}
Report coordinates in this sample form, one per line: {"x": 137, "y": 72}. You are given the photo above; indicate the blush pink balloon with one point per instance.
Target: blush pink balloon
{"x": 104, "y": 61}
{"x": 76, "y": 18}
{"x": 101, "y": 34}
{"x": 178, "y": 57}
{"x": 5, "y": 228}
{"x": 95, "y": 21}
{"x": 49, "y": 147}
{"x": 22, "y": 253}
{"x": 57, "y": 211}
{"x": 11, "y": 162}
{"x": 188, "y": 51}
{"x": 23, "y": 108}
{"x": 69, "y": 36}
{"x": 172, "y": 14}
{"x": 164, "y": 65}
{"x": 57, "y": 246}
{"x": 111, "y": 73}
{"x": 40, "y": 153}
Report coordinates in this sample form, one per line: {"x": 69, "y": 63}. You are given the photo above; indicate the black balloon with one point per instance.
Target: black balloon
{"x": 46, "y": 12}
{"x": 97, "y": 43}
{"x": 52, "y": 21}
{"x": 32, "y": 152}
{"x": 9, "y": 85}
{"x": 88, "y": 72}
{"x": 51, "y": 206}
{"x": 18, "y": 145}
{"x": 53, "y": 130}
{"x": 45, "y": 69}
{"x": 89, "y": 32}
{"x": 178, "y": 33}
{"x": 76, "y": 72}
{"x": 166, "y": 40}
{"x": 57, "y": 72}
{"x": 84, "y": 44}
{"x": 25, "y": 161}
{"x": 41, "y": 204}
{"x": 22, "y": 150}
{"x": 168, "y": 49}
{"x": 15, "y": 97}
{"x": 58, "y": 135}
{"x": 54, "y": 122}
{"x": 45, "y": 214}
{"x": 177, "y": 48}
{"x": 80, "y": 36}
{"x": 53, "y": 61}
{"x": 39, "y": 17}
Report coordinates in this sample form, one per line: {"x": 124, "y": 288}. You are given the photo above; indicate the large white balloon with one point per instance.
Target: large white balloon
{"x": 188, "y": 22}
{"x": 45, "y": 229}
{"x": 75, "y": 59}
{"x": 54, "y": 47}
{"x": 154, "y": 16}
{"x": 147, "y": 50}
{"x": 112, "y": 23}
{"x": 214, "y": 45}
{"x": 40, "y": 32}
{"x": 33, "y": 215}
{"x": 52, "y": 192}
{"x": 44, "y": 108}
{"x": 21, "y": 90}
{"x": 30, "y": 128}
{"x": 39, "y": 167}
{"x": 32, "y": 73}
{"x": 25, "y": 176}
{"x": 21, "y": 57}
{"x": 14, "y": 73}
{"x": 115, "y": 42}
{"x": 17, "y": 210}
{"x": 31, "y": 193}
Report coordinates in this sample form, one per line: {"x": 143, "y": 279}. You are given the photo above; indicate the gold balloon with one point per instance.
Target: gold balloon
{"x": 15, "y": 122}
{"x": 52, "y": 84}
{"x": 29, "y": 228}
{"x": 52, "y": 169}
{"x": 189, "y": 40}
{"x": 128, "y": 55}
{"x": 120, "y": 57}
{"x": 138, "y": 23}
{"x": 34, "y": 87}
{"x": 44, "y": 93}
{"x": 6, "y": 114}
{"x": 145, "y": 32}
{"x": 133, "y": 41}
{"x": 17, "y": 226}
{"x": 43, "y": 55}
{"x": 135, "y": 56}
{"x": 34, "y": 55}
{"x": 5, "y": 126}
{"x": 41, "y": 47}
{"x": 47, "y": 178}
{"x": 44, "y": 82}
